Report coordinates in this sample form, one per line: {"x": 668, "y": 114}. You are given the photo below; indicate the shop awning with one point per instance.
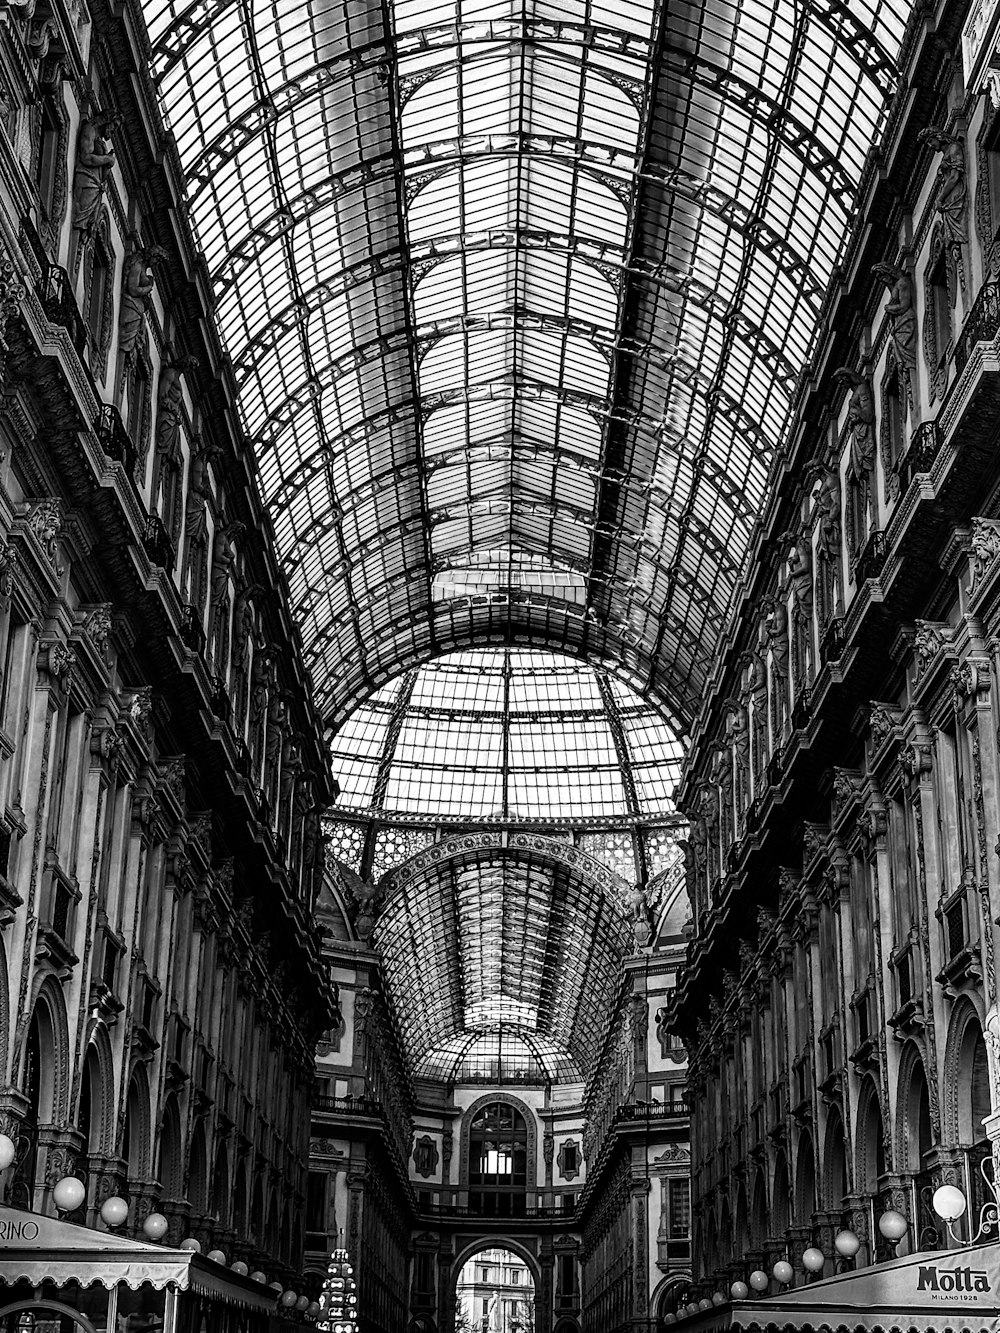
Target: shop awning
{"x": 37, "y": 1249}
{"x": 927, "y": 1293}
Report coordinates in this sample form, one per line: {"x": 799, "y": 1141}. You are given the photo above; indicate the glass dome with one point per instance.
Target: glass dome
{"x": 510, "y": 734}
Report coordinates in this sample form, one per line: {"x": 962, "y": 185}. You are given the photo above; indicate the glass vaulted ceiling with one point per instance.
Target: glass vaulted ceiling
{"x": 508, "y": 734}
{"x": 517, "y": 295}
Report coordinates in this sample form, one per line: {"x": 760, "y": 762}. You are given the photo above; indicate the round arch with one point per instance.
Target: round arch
{"x": 666, "y": 1293}
{"x": 171, "y": 1161}
{"x": 758, "y": 1212}
{"x": 869, "y": 1146}
{"x": 136, "y": 1137}
{"x": 57, "y": 1308}
{"x": 741, "y": 1223}
{"x": 805, "y": 1181}
{"x": 49, "y": 1027}
{"x": 240, "y": 1221}
{"x": 495, "y": 1243}
{"x": 966, "y": 1077}
{"x": 913, "y": 1135}
{"x": 96, "y": 1101}
{"x": 531, "y": 1155}
{"x": 476, "y": 846}
{"x": 222, "y": 1195}
{"x": 198, "y": 1182}
{"x": 835, "y": 1183}
{"x": 780, "y": 1195}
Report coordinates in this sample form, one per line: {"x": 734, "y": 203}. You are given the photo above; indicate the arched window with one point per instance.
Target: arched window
{"x": 498, "y": 1157}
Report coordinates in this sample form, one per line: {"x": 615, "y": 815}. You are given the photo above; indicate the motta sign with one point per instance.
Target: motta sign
{"x": 949, "y": 1281}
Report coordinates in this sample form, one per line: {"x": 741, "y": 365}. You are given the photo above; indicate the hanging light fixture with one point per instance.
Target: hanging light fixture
{"x": 338, "y": 1300}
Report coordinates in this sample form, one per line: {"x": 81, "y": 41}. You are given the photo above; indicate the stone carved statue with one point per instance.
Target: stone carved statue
{"x": 737, "y": 736}
{"x": 137, "y": 288}
{"x": 95, "y": 156}
{"x": 223, "y": 559}
{"x": 951, "y": 185}
{"x": 776, "y": 638}
{"x": 799, "y": 560}
{"x": 902, "y": 316}
{"x": 243, "y": 621}
{"x": 860, "y": 432}
{"x": 169, "y": 404}
{"x": 753, "y": 687}
{"x": 829, "y": 537}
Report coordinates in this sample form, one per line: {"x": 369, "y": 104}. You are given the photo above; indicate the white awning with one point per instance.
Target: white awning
{"x": 37, "y": 1249}
{"x": 929, "y": 1293}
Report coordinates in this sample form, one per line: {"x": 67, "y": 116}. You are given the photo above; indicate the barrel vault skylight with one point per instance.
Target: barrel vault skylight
{"x": 518, "y": 295}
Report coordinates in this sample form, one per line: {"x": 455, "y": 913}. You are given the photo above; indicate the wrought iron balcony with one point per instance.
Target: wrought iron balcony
{"x": 833, "y": 641}
{"x": 872, "y": 558}
{"x": 157, "y": 544}
{"x": 219, "y": 699}
{"x": 59, "y": 304}
{"x": 192, "y": 633}
{"x": 115, "y": 439}
{"x": 982, "y": 326}
{"x": 919, "y": 457}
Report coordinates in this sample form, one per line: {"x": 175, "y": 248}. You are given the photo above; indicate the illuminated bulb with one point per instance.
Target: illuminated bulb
{"x": 8, "y": 1151}
{"x": 948, "y": 1202}
{"x": 846, "y": 1244}
{"x": 194, "y": 1246}
{"x": 783, "y": 1272}
{"x": 893, "y": 1225}
{"x": 258, "y": 1276}
{"x": 288, "y": 1298}
{"x": 302, "y": 1304}
{"x": 155, "y": 1226}
{"x": 240, "y": 1268}
{"x": 704, "y": 1303}
{"x": 216, "y": 1256}
{"x": 739, "y": 1291}
{"x": 68, "y": 1194}
{"x": 718, "y": 1298}
{"x": 114, "y": 1211}
{"x": 813, "y": 1259}
{"x": 758, "y": 1280}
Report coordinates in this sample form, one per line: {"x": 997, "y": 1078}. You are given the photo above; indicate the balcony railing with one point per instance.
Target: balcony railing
{"x": 157, "y": 544}
{"x": 924, "y": 445}
{"x": 677, "y": 1110}
{"x": 833, "y": 641}
{"x": 115, "y": 439}
{"x": 56, "y": 295}
{"x": 350, "y": 1106}
{"x": 872, "y": 558}
{"x": 192, "y": 633}
{"x": 982, "y": 326}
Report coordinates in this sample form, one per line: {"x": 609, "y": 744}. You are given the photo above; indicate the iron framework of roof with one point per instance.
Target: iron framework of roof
{"x": 518, "y": 296}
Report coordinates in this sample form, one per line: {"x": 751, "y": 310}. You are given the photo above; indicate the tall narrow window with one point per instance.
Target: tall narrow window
{"x": 940, "y": 307}
{"x": 498, "y": 1153}
{"x": 895, "y": 427}
{"x": 47, "y": 164}
{"x": 98, "y": 296}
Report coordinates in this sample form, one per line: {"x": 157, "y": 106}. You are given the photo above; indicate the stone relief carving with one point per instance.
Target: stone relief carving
{"x": 425, "y": 1156}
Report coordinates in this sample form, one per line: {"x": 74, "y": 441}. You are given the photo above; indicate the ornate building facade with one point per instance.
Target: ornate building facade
{"x": 839, "y": 1001}
{"x": 160, "y": 776}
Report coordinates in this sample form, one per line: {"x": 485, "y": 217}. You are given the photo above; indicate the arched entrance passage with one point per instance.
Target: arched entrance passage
{"x": 496, "y": 1288}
